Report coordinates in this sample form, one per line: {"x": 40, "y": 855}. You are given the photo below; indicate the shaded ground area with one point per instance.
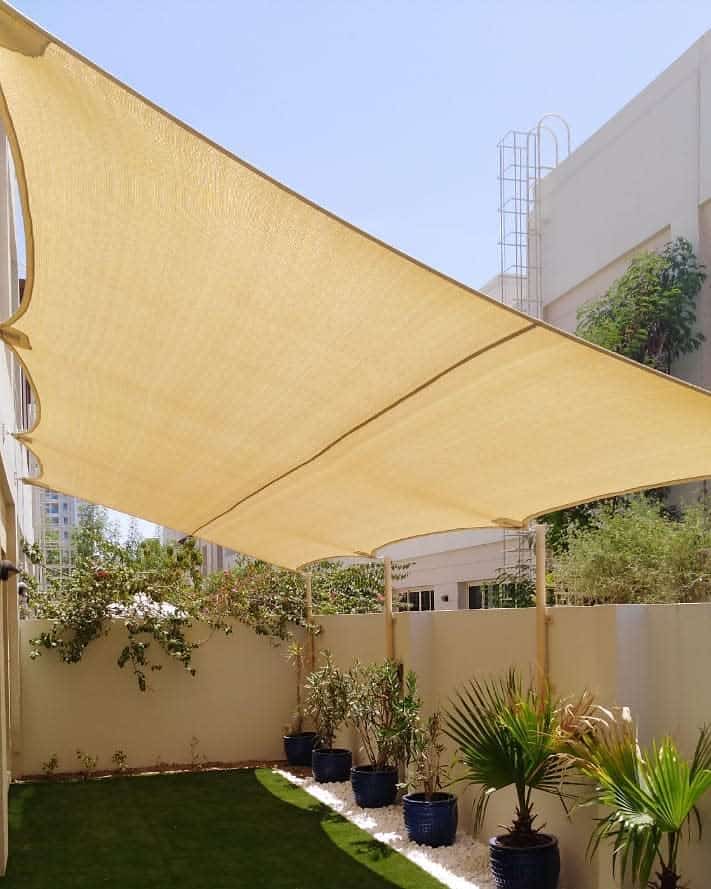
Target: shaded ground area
{"x": 215, "y": 830}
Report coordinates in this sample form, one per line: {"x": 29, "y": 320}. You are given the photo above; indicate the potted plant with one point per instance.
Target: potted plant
{"x": 298, "y": 744}
{"x": 430, "y": 814}
{"x": 652, "y": 795}
{"x": 384, "y": 711}
{"x": 509, "y": 735}
{"x": 326, "y": 704}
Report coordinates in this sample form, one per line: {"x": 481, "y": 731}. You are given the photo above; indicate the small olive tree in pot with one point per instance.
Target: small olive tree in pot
{"x": 511, "y": 735}
{"x": 430, "y": 813}
{"x": 298, "y": 744}
{"x": 327, "y": 705}
{"x": 383, "y": 708}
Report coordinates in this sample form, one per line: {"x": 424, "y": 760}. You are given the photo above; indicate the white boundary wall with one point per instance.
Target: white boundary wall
{"x": 655, "y": 659}
{"x": 236, "y": 706}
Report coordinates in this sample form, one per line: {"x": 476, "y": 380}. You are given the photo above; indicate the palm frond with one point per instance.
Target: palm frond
{"x": 508, "y": 734}
{"x": 651, "y": 794}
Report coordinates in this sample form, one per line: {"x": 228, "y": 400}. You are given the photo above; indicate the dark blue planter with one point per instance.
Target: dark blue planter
{"x": 530, "y": 867}
{"x": 431, "y": 822}
{"x": 373, "y": 788}
{"x": 331, "y": 764}
{"x": 298, "y": 748}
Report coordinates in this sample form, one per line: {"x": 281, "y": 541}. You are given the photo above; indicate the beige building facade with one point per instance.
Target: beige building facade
{"x": 640, "y": 181}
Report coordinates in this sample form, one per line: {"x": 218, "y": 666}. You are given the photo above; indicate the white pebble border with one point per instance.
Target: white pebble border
{"x": 465, "y": 865}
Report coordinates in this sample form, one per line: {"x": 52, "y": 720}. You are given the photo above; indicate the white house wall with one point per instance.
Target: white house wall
{"x": 642, "y": 172}
{"x": 651, "y": 658}
{"x": 641, "y": 180}
{"x": 448, "y": 573}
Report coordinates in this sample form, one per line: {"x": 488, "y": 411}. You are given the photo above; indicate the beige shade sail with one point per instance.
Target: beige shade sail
{"x": 216, "y": 354}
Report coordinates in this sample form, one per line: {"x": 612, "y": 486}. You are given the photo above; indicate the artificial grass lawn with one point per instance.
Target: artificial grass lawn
{"x": 209, "y": 830}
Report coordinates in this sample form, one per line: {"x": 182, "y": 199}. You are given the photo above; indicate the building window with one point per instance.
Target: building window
{"x": 482, "y": 594}
{"x": 476, "y": 596}
{"x": 418, "y": 600}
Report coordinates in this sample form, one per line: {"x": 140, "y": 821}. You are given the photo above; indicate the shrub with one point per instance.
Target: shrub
{"x": 635, "y": 552}
{"x": 152, "y": 590}
{"x": 119, "y": 759}
{"x": 270, "y": 599}
{"x": 427, "y": 750}
{"x": 649, "y": 313}
{"x": 88, "y": 763}
{"x": 384, "y": 709}
{"x": 327, "y": 699}
{"x": 50, "y": 766}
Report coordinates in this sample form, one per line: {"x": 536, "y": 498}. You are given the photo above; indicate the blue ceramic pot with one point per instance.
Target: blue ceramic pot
{"x": 331, "y": 764}
{"x": 374, "y": 788}
{"x": 525, "y": 867}
{"x": 431, "y": 822}
{"x": 298, "y": 748}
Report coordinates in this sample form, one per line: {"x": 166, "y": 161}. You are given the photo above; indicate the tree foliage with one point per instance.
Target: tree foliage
{"x": 158, "y": 594}
{"x": 635, "y": 551}
{"x": 271, "y": 599}
{"x": 649, "y": 313}
{"x": 151, "y": 591}
{"x": 264, "y": 597}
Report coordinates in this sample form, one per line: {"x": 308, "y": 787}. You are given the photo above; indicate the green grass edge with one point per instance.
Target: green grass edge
{"x": 351, "y": 839}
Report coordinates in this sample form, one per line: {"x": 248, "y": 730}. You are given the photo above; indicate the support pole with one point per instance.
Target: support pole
{"x": 310, "y": 639}
{"x": 541, "y": 611}
{"x": 388, "y": 609}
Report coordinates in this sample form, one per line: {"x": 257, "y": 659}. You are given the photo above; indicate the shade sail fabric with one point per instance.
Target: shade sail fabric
{"x": 216, "y": 354}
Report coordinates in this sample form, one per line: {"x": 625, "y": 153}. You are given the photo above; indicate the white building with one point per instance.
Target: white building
{"x": 55, "y": 516}
{"x": 640, "y": 181}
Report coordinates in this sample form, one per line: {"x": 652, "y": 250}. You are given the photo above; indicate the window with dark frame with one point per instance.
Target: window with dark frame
{"x": 482, "y": 594}
{"x": 418, "y": 600}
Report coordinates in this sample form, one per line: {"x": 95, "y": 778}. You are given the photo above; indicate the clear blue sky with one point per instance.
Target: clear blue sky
{"x": 386, "y": 112}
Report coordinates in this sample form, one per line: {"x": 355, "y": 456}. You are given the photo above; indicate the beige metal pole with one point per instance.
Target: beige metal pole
{"x": 541, "y": 610}
{"x": 388, "y": 609}
{"x": 310, "y": 639}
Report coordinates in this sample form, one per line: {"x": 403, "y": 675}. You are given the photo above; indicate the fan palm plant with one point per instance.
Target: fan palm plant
{"x": 508, "y": 734}
{"x": 652, "y": 795}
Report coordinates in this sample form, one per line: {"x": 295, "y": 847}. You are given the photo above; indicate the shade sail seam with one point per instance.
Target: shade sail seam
{"x": 373, "y": 554}
{"x": 242, "y": 272}
{"x": 416, "y": 391}
{"x": 17, "y": 156}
